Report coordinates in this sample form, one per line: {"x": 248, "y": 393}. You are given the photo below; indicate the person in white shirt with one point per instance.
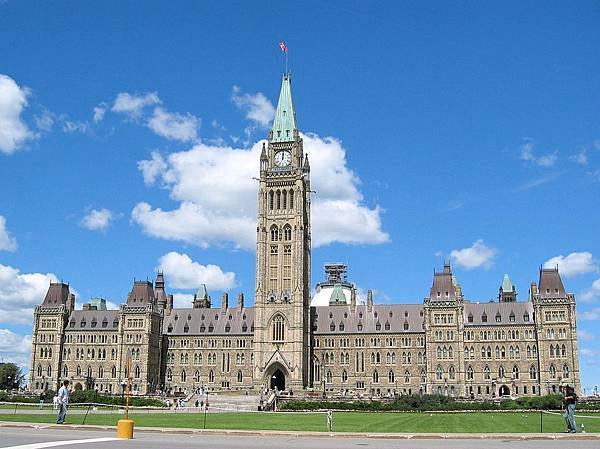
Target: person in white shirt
{"x": 63, "y": 401}
{"x": 55, "y": 402}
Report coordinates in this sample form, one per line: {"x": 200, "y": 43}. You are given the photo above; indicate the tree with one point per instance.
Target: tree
{"x": 10, "y": 376}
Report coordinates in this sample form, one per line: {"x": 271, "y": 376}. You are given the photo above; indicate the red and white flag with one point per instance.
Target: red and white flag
{"x": 283, "y": 47}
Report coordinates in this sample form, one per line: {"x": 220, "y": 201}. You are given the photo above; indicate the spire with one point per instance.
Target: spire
{"x": 159, "y": 290}
{"x": 306, "y": 166}
{"x": 507, "y": 285}
{"x": 284, "y": 125}
{"x": 507, "y": 292}
{"x": 337, "y": 296}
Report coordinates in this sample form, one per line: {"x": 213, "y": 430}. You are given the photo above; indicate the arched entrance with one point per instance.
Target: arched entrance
{"x": 504, "y": 391}
{"x": 277, "y": 380}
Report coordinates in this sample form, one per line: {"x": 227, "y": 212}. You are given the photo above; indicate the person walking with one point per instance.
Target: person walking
{"x": 63, "y": 401}
{"x": 569, "y": 400}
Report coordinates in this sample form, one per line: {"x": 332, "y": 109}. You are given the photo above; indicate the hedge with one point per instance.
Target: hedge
{"x": 429, "y": 403}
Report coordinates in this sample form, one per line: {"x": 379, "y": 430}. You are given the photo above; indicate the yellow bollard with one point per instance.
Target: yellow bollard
{"x": 125, "y": 428}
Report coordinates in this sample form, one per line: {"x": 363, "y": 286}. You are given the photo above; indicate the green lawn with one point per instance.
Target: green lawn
{"x": 343, "y": 421}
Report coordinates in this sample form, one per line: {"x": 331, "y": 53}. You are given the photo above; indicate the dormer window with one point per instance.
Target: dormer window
{"x": 526, "y": 317}
{"x": 202, "y": 328}
{"x": 484, "y": 318}
{"x": 332, "y": 327}
{"x": 406, "y": 325}
{"x": 170, "y": 328}
{"x": 447, "y": 294}
{"x": 211, "y": 327}
{"x": 227, "y": 327}
{"x": 378, "y": 326}
{"x": 387, "y": 326}
{"x": 186, "y": 328}
{"x": 360, "y": 326}
{"x": 439, "y": 294}
{"x": 244, "y": 327}
{"x": 511, "y": 317}
{"x": 278, "y": 133}
{"x": 470, "y": 318}
{"x": 72, "y": 323}
{"x": 341, "y": 327}
{"x": 176, "y": 317}
{"x": 498, "y": 318}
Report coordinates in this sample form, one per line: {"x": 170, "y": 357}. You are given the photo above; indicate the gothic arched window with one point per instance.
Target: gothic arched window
{"x": 469, "y": 373}
{"x": 287, "y": 232}
{"x": 291, "y": 199}
{"x": 137, "y": 372}
{"x": 274, "y": 233}
{"x": 532, "y": 372}
{"x": 375, "y": 377}
{"x": 271, "y": 195}
{"x": 284, "y": 199}
{"x": 278, "y": 195}
{"x": 552, "y": 371}
{"x": 183, "y": 376}
{"x": 240, "y": 376}
{"x": 391, "y": 377}
{"x": 278, "y": 328}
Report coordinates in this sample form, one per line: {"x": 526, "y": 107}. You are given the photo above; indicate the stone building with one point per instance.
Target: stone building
{"x": 446, "y": 344}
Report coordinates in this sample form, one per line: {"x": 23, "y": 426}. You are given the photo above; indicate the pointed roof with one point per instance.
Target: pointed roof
{"x": 507, "y": 285}
{"x": 284, "y": 124}
{"x": 202, "y": 292}
{"x": 337, "y": 296}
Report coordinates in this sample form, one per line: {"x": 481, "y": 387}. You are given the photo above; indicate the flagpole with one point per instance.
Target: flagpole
{"x": 286, "y": 62}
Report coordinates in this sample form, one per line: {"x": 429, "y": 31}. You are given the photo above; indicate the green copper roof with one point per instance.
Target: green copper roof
{"x": 285, "y": 117}
{"x": 337, "y": 296}
{"x": 202, "y": 292}
{"x": 507, "y": 285}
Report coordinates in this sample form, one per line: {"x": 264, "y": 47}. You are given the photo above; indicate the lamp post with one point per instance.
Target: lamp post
{"x": 123, "y": 385}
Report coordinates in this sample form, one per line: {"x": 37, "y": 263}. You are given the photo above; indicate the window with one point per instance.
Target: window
{"x": 486, "y": 373}
{"x": 500, "y": 371}
{"x": 565, "y": 371}
{"x": 274, "y": 233}
{"x": 470, "y": 318}
{"x": 484, "y": 318}
{"x": 344, "y": 376}
{"x": 169, "y": 375}
{"x": 287, "y": 232}
{"x": 375, "y": 377}
{"x": 515, "y": 372}
{"x": 452, "y": 373}
{"x": 469, "y": 373}
{"x": 438, "y": 373}
{"x": 240, "y": 376}
{"x": 391, "y": 377}
{"x": 552, "y": 371}
{"x": 279, "y": 328}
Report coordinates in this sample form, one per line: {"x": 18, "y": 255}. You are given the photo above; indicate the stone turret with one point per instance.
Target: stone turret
{"x": 507, "y": 291}
{"x": 369, "y": 300}
{"x": 240, "y": 300}
{"x": 159, "y": 291}
{"x": 224, "y": 302}
{"x": 201, "y": 298}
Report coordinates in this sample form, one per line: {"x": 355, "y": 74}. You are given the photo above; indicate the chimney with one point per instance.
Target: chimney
{"x": 369, "y": 300}
{"x": 353, "y": 298}
{"x": 224, "y": 302}
{"x": 240, "y": 300}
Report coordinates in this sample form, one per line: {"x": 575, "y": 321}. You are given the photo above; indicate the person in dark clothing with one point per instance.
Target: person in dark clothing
{"x": 569, "y": 401}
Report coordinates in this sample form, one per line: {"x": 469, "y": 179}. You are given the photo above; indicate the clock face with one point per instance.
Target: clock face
{"x": 283, "y": 158}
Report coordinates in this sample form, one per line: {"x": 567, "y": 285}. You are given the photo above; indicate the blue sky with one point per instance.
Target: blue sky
{"x": 128, "y": 138}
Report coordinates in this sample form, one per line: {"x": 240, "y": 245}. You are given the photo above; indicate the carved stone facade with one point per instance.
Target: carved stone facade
{"x": 447, "y": 345}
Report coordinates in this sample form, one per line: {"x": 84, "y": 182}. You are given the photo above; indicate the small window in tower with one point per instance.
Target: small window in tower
{"x": 287, "y": 133}
{"x": 278, "y": 133}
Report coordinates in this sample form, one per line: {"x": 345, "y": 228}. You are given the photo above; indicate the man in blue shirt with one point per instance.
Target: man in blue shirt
{"x": 63, "y": 401}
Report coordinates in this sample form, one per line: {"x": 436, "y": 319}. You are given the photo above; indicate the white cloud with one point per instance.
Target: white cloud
{"x": 590, "y": 315}
{"x": 183, "y": 300}
{"x": 97, "y": 219}
{"x": 591, "y": 294}
{"x": 15, "y": 348}
{"x": 546, "y": 160}
{"x": 99, "y": 112}
{"x": 20, "y": 293}
{"x": 476, "y": 256}
{"x": 133, "y": 105}
{"x": 175, "y": 126}
{"x": 153, "y": 168}
{"x": 45, "y": 121}
{"x": 259, "y": 108}
{"x": 13, "y": 130}
{"x": 218, "y": 197}
{"x": 580, "y": 158}
{"x": 7, "y": 243}
{"x": 574, "y": 264}
{"x": 182, "y": 272}
{"x": 74, "y": 126}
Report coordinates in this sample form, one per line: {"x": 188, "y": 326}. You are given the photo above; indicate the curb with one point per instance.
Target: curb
{"x": 299, "y": 434}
